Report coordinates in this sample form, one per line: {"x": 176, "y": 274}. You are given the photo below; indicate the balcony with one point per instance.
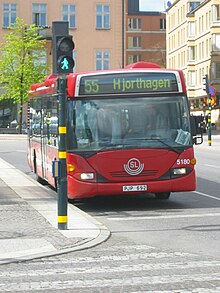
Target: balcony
{"x": 45, "y": 32}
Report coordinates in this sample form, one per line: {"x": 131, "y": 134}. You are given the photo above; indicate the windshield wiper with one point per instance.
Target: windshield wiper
{"x": 156, "y": 138}
{"x": 121, "y": 146}
{"x": 117, "y": 146}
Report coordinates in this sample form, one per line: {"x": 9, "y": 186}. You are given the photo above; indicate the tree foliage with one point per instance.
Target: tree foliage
{"x": 21, "y": 61}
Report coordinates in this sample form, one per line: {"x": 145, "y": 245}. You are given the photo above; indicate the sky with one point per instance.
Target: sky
{"x": 152, "y": 5}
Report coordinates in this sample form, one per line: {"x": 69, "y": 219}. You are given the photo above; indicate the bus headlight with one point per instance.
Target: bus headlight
{"x": 87, "y": 176}
{"x": 179, "y": 171}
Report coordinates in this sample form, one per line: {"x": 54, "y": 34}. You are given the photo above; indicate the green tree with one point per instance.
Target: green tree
{"x": 21, "y": 63}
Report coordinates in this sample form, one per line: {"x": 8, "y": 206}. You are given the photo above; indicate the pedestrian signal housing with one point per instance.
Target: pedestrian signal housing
{"x": 64, "y": 54}
{"x": 206, "y": 83}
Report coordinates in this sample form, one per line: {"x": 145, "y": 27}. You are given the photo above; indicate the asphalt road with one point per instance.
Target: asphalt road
{"x": 155, "y": 246}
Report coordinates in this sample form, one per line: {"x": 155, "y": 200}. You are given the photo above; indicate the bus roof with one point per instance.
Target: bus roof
{"x": 49, "y": 86}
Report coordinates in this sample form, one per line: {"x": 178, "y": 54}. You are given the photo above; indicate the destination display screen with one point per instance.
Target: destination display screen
{"x": 119, "y": 83}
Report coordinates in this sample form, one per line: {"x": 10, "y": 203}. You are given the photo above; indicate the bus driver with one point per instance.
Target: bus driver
{"x": 155, "y": 118}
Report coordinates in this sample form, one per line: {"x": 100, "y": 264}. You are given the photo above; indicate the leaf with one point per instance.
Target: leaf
{"x": 20, "y": 64}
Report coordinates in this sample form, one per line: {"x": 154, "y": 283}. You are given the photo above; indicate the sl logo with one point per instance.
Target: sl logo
{"x": 133, "y": 167}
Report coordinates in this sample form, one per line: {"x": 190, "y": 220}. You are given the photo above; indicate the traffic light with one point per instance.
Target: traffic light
{"x": 64, "y": 54}
{"x": 206, "y": 83}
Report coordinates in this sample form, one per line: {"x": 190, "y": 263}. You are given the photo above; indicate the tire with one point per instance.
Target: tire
{"x": 162, "y": 195}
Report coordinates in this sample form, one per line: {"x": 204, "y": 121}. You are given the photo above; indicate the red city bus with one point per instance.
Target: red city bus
{"x": 128, "y": 131}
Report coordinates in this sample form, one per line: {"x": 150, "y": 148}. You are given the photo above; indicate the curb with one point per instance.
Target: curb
{"x": 82, "y": 245}
{"x": 101, "y": 232}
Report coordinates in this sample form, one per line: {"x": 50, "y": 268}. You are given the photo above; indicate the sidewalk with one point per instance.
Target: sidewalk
{"x": 215, "y": 142}
{"x": 28, "y": 226}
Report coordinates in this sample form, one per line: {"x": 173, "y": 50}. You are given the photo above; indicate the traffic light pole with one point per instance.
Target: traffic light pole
{"x": 209, "y": 96}
{"x": 63, "y": 64}
{"x": 62, "y": 179}
{"x": 209, "y": 121}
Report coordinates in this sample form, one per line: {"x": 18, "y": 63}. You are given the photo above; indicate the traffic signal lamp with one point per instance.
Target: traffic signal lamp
{"x": 206, "y": 83}
{"x": 64, "y": 54}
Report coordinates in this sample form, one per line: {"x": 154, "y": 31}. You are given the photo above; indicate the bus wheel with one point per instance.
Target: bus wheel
{"x": 162, "y": 195}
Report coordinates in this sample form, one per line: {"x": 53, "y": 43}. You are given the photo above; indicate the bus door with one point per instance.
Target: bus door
{"x": 36, "y": 136}
{"x": 49, "y": 135}
{"x": 44, "y": 145}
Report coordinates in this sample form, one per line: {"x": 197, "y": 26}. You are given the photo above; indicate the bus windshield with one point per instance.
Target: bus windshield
{"x": 135, "y": 122}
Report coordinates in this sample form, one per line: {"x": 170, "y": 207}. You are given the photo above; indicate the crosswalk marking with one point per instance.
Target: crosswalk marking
{"x": 119, "y": 268}
{"x": 113, "y": 269}
{"x": 106, "y": 283}
{"x": 177, "y": 216}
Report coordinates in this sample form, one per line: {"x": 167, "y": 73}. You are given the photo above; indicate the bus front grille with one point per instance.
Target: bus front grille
{"x": 144, "y": 173}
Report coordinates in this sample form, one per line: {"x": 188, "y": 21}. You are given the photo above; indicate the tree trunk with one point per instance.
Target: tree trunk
{"x": 20, "y": 119}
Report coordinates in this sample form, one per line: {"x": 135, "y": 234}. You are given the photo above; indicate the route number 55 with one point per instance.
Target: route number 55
{"x": 91, "y": 86}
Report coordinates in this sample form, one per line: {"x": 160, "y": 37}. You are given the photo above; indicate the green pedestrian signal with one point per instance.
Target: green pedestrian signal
{"x": 65, "y": 64}
{"x": 64, "y": 53}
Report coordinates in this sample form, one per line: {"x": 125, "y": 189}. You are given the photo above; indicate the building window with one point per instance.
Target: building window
{"x": 216, "y": 42}
{"x": 191, "y": 53}
{"x": 162, "y": 23}
{"x": 39, "y": 14}
{"x": 207, "y": 21}
{"x": 192, "y": 5}
{"x": 102, "y": 60}
{"x": 9, "y": 14}
{"x": 134, "y": 58}
{"x": 69, "y": 14}
{"x": 215, "y": 70}
{"x": 134, "y": 24}
{"x": 134, "y": 42}
{"x": 40, "y": 59}
{"x": 216, "y": 12}
{"x": 191, "y": 29}
{"x": 191, "y": 78}
{"x": 102, "y": 16}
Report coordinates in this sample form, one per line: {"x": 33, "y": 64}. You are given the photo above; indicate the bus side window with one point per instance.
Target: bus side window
{"x": 53, "y": 126}
{"x": 36, "y": 114}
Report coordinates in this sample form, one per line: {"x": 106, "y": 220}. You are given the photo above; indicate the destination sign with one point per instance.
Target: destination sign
{"x": 119, "y": 83}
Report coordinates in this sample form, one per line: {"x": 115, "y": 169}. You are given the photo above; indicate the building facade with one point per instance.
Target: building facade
{"x": 96, "y": 27}
{"x": 193, "y": 45}
{"x": 145, "y": 35}
{"x": 107, "y": 34}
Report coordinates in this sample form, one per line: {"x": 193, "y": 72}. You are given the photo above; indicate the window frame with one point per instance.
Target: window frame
{"x": 102, "y": 62}
{"x": 102, "y": 17}
{"x": 39, "y": 15}
{"x": 8, "y": 13}
{"x": 69, "y": 15}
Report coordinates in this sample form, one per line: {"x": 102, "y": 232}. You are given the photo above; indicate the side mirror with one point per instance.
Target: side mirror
{"x": 193, "y": 125}
{"x": 198, "y": 139}
{"x": 197, "y": 129}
